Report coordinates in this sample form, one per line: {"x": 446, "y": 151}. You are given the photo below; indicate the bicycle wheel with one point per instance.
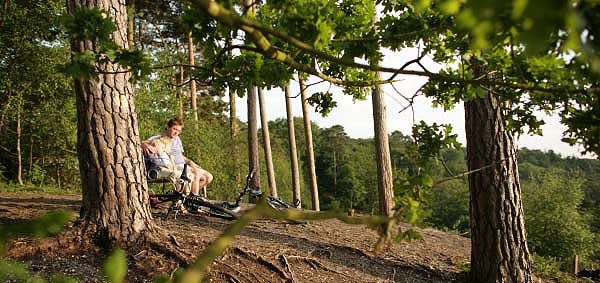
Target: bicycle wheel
{"x": 277, "y": 203}
{"x": 219, "y": 211}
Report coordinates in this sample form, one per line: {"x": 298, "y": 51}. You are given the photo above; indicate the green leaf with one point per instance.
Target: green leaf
{"x": 115, "y": 267}
{"x": 518, "y": 8}
{"x": 450, "y": 7}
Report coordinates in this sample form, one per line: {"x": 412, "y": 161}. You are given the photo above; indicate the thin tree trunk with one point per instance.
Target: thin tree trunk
{"x": 253, "y": 162}
{"x": 115, "y": 194}
{"x": 267, "y": 143}
{"x": 19, "y": 158}
{"x": 499, "y": 251}
{"x": 385, "y": 181}
{"x": 334, "y": 173}
{"x": 293, "y": 151}
{"x": 58, "y": 179}
{"x": 234, "y": 133}
{"x": 193, "y": 97}
{"x": 252, "y": 123}
{"x": 181, "y": 93}
{"x": 131, "y": 23}
{"x": 312, "y": 172}
{"x": 30, "y": 159}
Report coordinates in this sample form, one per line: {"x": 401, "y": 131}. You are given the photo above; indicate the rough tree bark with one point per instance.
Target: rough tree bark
{"x": 499, "y": 251}
{"x": 115, "y": 195}
{"x": 267, "y": 143}
{"x": 310, "y": 152}
{"x": 293, "y": 152}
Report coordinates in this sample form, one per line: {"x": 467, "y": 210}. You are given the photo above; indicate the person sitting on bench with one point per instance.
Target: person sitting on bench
{"x": 160, "y": 165}
{"x": 155, "y": 146}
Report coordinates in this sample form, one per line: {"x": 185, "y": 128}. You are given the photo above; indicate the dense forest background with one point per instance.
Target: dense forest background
{"x": 38, "y": 143}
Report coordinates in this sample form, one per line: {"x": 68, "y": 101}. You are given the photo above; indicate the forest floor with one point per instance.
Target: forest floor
{"x": 266, "y": 251}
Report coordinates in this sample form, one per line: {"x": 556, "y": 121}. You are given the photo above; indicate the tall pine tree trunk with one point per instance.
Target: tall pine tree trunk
{"x": 181, "y": 94}
{"x": 235, "y": 152}
{"x": 267, "y": 143}
{"x": 293, "y": 152}
{"x": 252, "y": 123}
{"x": 310, "y": 153}
{"x": 499, "y": 251}
{"x": 115, "y": 194}
{"x": 234, "y": 133}
{"x": 193, "y": 97}
{"x": 253, "y": 162}
{"x": 385, "y": 181}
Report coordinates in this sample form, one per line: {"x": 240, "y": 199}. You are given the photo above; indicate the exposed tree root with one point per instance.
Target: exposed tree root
{"x": 314, "y": 263}
{"x": 231, "y": 278}
{"x": 86, "y": 237}
{"x": 238, "y": 272}
{"x": 287, "y": 266}
{"x": 253, "y": 256}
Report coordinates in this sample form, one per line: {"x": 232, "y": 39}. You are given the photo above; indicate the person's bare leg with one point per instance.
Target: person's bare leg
{"x": 196, "y": 181}
{"x": 205, "y": 179}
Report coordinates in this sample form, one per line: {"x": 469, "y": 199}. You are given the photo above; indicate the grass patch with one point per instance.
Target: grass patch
{"x": 28, "y": 187}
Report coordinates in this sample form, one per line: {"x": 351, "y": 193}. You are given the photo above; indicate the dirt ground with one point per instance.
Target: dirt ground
{"x": 266, "y": 251}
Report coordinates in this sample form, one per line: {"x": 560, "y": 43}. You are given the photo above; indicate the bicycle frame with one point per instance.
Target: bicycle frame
{"x": 273, "y": 202}
{"x": 179, "y": 197}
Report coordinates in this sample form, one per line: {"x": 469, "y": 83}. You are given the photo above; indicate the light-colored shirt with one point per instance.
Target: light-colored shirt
{"x": 177, "y": 151}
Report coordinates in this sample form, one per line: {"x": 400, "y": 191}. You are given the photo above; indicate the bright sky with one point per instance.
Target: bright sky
{"x": 357, "y": 116}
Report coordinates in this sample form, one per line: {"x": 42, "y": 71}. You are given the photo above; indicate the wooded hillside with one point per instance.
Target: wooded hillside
{"x": 82, "y": 85}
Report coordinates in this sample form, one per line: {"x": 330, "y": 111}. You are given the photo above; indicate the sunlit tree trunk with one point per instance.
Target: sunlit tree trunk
{"x": 309, "y": 148}
{"x": 234, "y": 133}
{"x": 499, "y": 251}
{"x": 293, "y": 152}
{"x": 252, "y": 123}
{"x": 193, "y": 97}
{"x": 180, "y": 92}
{"x": 234, "y": 130}
{"x": 131, "y": 23}
{"x": 114, "y": 204}
{"x": 253, "y": 162}
{"x": 267, "y": 143}
{"x": 385, "y": 182}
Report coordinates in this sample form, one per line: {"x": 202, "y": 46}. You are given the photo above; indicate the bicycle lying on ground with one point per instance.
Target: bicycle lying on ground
{"x": 274, "y": 202}
{"x": 181, "y": 200}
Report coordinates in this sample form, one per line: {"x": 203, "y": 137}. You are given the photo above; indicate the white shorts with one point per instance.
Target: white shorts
{"x": 179, "y": 170}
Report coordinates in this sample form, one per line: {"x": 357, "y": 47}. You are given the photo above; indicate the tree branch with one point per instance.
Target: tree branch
{"x": 254, "y": 31}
